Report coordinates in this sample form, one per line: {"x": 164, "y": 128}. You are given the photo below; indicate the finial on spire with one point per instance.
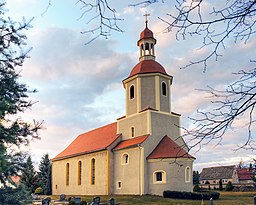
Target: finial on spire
{"x": 146, "y": 16}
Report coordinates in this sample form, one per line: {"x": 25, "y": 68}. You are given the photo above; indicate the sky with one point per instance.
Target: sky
{"x": 80, "y": 85}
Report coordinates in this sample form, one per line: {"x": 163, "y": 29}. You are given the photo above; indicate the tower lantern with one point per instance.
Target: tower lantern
{"x": 146, "y": 43}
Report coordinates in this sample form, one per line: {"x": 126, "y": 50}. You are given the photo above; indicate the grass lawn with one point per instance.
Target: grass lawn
{"x": 226, "y": 198}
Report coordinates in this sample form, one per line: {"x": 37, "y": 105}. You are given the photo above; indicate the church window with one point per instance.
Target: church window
{"x": 159, "y": 177}
{"x": 187, "y": 174}
{"x": 125, "y": 159}
{"x": 132, "y": 92}
{"x": 164, "y": 89}
{"x": 132, "y": 131}
{"x": 56, "y": 186}
{"x": 79, "y": 179}
{"x": 93, "y": 171}
{"x": 119, "y": 185}
{"x": 67, "y": 174}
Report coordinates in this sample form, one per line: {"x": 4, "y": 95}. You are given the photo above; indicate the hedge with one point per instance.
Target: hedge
{"x": 191, "y": 195}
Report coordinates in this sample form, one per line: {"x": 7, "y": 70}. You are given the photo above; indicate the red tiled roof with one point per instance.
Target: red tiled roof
{"x": 15, "y": 179}
{"x": 167, "y": 148}
{"x": 146, "y": 33}
{"x": 131, "y": 142}
{"x": 148, "y": 66}
{"x": 91, "y": 141}
{"x": 245, "y": 173}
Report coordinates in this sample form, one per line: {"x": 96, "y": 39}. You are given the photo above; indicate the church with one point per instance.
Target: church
{"x": 141, "y": 152}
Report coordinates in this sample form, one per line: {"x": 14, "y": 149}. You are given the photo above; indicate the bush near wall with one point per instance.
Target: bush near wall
{"x": 191, "y": 195}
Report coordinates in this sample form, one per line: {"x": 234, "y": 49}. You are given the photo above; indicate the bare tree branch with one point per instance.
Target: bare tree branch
{"x": 236, "y": 102}
{"x": 237, "y": 18}
{"x": 103, "y": 16}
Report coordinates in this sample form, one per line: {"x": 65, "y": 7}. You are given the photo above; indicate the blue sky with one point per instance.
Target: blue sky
{"x": 80, "y": 86}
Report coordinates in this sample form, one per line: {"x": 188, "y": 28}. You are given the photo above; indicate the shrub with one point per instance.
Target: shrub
{"x": 196, "y": 188}
{"x": 229, "y": 186}
{"x": 191, "y": 195}
{"x": 72, "y": 202}
{"x": 39, "y": 190}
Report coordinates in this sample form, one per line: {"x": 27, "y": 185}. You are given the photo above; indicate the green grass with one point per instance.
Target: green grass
{"x": 226, "y": 198}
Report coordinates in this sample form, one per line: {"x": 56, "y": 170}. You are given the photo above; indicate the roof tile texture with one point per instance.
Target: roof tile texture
{"x": 167, "y": 148}
{"x": 221, "y": 172}
{"x": 245, "y": 173}
{"x": 131, "y": 142}
{"x": 146, "y": 33}
{"x": 147, "y": 66}
{"x": 94, "y": 140}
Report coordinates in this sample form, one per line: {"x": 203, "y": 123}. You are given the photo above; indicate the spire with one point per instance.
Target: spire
{"x": 146, "y": 21}
{"x": 146, "y": 43}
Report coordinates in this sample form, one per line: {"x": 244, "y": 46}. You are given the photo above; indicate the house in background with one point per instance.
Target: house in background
{"x": 142, "y": 152}
{"x": 235, "y": 174}
{"x": 245, "y": 175}
{"x": 212, "y": 175}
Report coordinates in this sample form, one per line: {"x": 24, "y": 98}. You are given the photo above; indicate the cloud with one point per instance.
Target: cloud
{"x": 78, "y": 85}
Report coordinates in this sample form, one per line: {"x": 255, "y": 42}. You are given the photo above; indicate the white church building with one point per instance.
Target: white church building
{"x": 142, "y": 152}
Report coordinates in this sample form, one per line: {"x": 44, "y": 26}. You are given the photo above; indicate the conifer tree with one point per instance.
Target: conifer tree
{"x": 220, "y": 185}
{"x": 29, "y": 175}
{"x": 13, "y": 97}
{"x": 45, "y": 174}
{"x": 14, "y": 131}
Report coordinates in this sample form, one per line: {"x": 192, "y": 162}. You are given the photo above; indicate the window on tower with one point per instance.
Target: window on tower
{"x": 132, "y": 92}
{"x": 132, "y": 131}
{"x": 147, "y": 49}
{"x": 164, "y": 89}
{"x": 125, "y": 159}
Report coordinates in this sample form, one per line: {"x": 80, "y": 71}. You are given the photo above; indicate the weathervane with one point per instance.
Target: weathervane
{"x": 146, "y": 16}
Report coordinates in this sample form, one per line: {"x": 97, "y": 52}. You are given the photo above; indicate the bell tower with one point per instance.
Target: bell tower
{"x": 148, "y": 85}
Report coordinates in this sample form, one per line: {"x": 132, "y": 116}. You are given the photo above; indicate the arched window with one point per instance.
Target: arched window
{"x": 67, "y": 174}
{"x": 79, "y": 178}
{"x": 125, "y": 159}
{"x": 93, "y": 171}
{"x": 132, "y": 131}
{"x": 147, "y": 49}
{"x": 164, "y": 89}
{"x": 159, "y": 177}
{"x": 187, "y": 174}
{"x": 132, "y": 92}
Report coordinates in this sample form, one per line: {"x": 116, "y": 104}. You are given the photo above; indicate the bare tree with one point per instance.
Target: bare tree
{"x": 232, "y": 19}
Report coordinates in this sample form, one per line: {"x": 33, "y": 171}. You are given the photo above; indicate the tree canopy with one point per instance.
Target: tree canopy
{"x": 14, "y": 132}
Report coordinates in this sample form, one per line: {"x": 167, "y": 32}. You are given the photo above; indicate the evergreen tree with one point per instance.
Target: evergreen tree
{"x": 13, "y": 97}
{"x": 220, "y": 185}
{"x": 45, "y": 174}
{"x": 48, "y": 188}
{"x": 13, "y": 102}
{"x": 29, "y": 176}
{"x": 196, "y": 177}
